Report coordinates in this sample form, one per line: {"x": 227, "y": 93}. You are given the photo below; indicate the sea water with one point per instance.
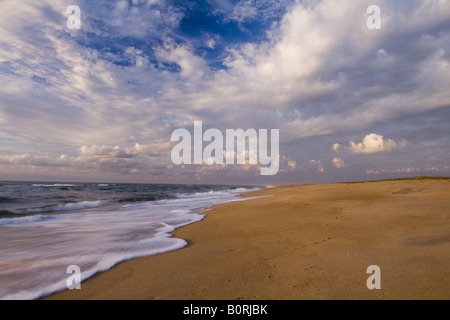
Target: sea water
{"x": 46, "y": 227}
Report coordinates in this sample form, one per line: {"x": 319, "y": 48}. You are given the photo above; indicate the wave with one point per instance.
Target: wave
{"x": 24, "y": 220}
{"x": 6, "y": 199}
{"x": 31, "y": 215}
{"x": 146, "y": 198}
{"x": 96, "y": 241}
{"x": 216, "y": 192}
{"x": 77, "y": 206}
{"x": 157, "y": 196}
{"x": 55, "y": 185}
{"x": 6, "y": 214}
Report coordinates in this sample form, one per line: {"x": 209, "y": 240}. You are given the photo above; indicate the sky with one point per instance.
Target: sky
{"x": 101, "y": 102}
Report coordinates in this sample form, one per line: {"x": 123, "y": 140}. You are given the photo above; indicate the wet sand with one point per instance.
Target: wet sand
{"x": 301, "y": 242}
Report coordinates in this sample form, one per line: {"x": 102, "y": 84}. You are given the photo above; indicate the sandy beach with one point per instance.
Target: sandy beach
{"x": 301, "y": 242}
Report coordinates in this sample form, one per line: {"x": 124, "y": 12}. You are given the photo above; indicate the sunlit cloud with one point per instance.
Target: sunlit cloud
{"x": 373, "y": 143}
{"x": 339, "y": 163}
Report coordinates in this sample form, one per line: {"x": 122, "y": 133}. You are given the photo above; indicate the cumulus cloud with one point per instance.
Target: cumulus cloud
{"x": 126, "y": 153}
{"x": 436, "y": 169}
{"x": 32, "y": 160}
{"x": 336, "y": 147}
{"x": 191, "y": 66}
{"x": 139, "y": 161}
{"x": 407, "y": 170}
{"x": 339, "y": 163}
{"x": 316, "y": 165}
{"x": 373, "y": 143}
{"x": 292, "y": 164}
{"x": 136, "y": 160}
{"x": 104, "y": 152}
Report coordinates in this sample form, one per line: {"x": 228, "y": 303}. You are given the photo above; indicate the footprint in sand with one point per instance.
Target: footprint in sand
{"x": 403, "y": 191}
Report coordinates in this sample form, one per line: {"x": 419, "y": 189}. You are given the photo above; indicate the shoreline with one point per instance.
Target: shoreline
{"x": 303, "y": 242}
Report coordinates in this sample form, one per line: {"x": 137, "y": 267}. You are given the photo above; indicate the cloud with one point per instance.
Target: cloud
{"x": 316, "y": 165}
{"x": 139, "y": 19}
{"x": 336, "y": 147}
{"x": 191, "y": 66}
{"x": 125, "y": 153}
{"x": 32, "y": 160}
{"x": 136, "y": 160}
{"x": 292, "y": 164}
{"x": 250, "y": 10}
{"x": 104, "y": 152}
{"x": 210, "y": 43}
{"x": 407, "y": 170}
{"x": 373, "y": 143}
{"x": 438, "y": 169}
{"x": 139, "y": 161}
{"x": 441, "y": 169}
{"x": 135, "y": 72}
{"x": 339, "y": 163}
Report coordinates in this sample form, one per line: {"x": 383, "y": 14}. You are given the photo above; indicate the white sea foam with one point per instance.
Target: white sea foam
{"x": 36, "y": 250}
{"x": 83, "y": 205}
{"x": 55, "y": 185}
{"x": 24, "y": 220}
{"x": 215, "y": 193}
{"x": 80, "y": 205}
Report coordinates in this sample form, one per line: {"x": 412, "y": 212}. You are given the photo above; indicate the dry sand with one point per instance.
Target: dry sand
{"x": 302, "y": 242}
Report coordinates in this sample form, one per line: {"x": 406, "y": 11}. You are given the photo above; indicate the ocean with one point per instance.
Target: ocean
{"x": 47, "y": 227}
